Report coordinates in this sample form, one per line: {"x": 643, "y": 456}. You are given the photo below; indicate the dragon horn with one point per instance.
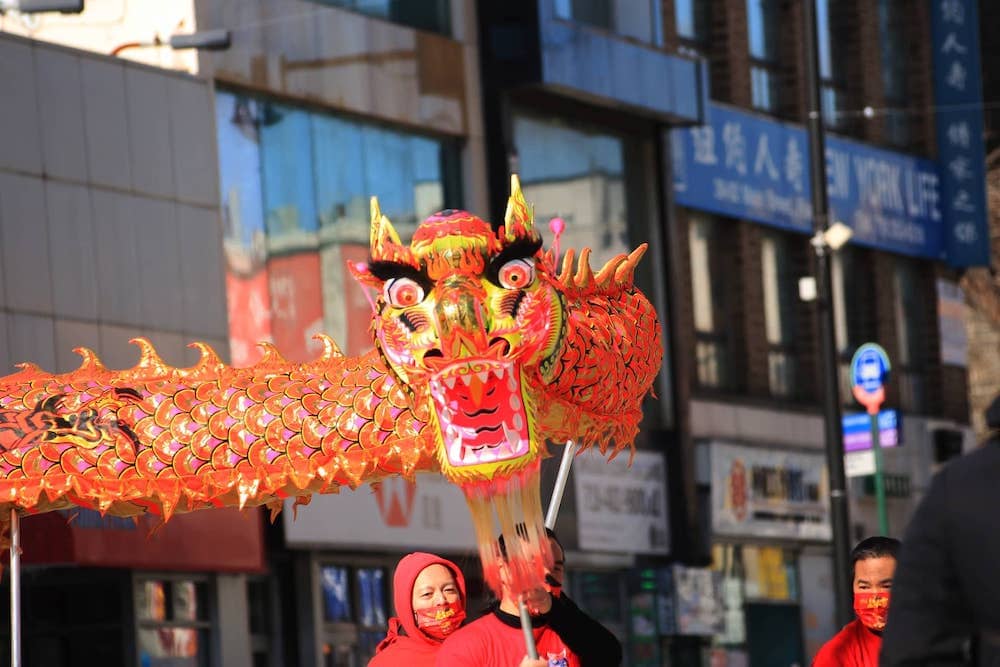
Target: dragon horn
{"x": 518, "y": 221}
{"x": 383, "y": 237}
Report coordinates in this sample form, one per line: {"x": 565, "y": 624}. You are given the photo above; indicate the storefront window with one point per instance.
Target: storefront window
{"x": 355, "y": 613}
{"x": 779, "y": 313}
{"x": 261, "y": 608}
{"x": 911, "y": 322}
{"x": 295, "y": 189}
{"x": 832, "y": 61}
{"x": 761, "y": 617}
{"x": 891, "y": 17}
{"x": 763, "y": 28}
{"x": 430, "y": 15}
{"x": 854, "y": 312}
{"x": 601, "y": 594}
{"x": 692, "y": 17}
{"x": 638, "y": 19}
{"x": 711, "y": 259}
{"x": 173, "y": 622}
{"x": 576, "y": 174}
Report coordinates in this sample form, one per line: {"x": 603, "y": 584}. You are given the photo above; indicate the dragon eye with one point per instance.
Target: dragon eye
{"x": 403, "y": 292}
{"x": 517, "y": 273}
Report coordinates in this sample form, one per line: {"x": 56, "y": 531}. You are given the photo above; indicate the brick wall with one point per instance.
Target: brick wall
{"x": 729, "y": 52}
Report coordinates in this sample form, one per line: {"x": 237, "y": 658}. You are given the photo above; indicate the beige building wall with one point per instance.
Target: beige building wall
{"x": 109, "y": 211}
{"x": 306, "y": 51}
{"x": 132, "y": 26}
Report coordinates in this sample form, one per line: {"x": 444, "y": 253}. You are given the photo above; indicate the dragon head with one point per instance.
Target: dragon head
{"x": 468, "y": 317}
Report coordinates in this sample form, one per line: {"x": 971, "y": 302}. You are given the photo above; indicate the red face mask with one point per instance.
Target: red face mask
{"x": 872, "y": 609}
{"x": 440, "y": 620}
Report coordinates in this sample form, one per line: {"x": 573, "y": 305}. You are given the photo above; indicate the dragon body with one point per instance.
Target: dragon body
{"x": 484, "y": 350}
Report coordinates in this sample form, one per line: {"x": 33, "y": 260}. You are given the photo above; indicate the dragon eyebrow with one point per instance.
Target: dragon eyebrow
{"x": 384, "y": 270}
{"x": 518, "y": 249}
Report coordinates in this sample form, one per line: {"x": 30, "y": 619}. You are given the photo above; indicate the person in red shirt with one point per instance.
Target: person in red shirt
{"x": 429, "y": 598}
{"x": 859, "y": 643}
{"x": 564, "y": 635}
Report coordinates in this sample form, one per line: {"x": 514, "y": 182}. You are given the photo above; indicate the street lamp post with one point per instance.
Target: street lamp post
{"x": 828, "y": 348}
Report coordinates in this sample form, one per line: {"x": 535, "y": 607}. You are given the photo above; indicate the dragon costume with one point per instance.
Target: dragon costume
{"x": 484, "y": 350}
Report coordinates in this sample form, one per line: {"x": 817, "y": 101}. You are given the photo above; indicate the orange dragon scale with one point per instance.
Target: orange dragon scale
{"x": 485, "y": 349}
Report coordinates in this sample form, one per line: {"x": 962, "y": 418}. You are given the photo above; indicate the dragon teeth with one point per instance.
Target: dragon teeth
{"x": 484, "y": 376}
{"x": 450, "y": 381}
{"x": 499, "y": 371}
{"x": 467, "y": 379}
{"x": 512, "y": 437}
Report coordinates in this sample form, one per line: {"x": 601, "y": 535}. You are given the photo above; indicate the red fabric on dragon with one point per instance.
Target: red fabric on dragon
{"x": 484, "y": 350}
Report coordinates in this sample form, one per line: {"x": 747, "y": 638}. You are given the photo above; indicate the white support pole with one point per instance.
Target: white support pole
{"x": 15, "y": 588}
{"x": 529, "y": 635}
{"x": 550, "y": 521}
{"x": 560, "y": 486}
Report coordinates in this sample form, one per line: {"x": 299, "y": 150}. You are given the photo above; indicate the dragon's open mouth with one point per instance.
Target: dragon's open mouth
{"x": 481, "y": 411}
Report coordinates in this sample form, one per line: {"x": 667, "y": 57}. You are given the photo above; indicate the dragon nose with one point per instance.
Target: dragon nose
{"x": 461, "y": 321}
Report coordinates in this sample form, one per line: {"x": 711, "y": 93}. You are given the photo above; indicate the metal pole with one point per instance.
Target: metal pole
{"x": 883, "y": 516}
{"x": 550, "y": 521}
{"x": 560, "y": 486}
{"x": 529, "y": 636}
{"x": 15, "y": 588}
{"x": 828, "y": 349}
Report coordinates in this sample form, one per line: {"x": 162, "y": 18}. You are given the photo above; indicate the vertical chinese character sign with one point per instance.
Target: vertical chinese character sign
{"x": 959, "y": 117}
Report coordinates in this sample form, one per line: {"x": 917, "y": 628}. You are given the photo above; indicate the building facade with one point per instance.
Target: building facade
{"x": 109, "y": 216}
{"x": 672, "y": 122}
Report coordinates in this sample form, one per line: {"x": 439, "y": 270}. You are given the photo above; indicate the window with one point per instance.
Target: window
{"x": 692, "y": 17}
{"x": 638, "y": 19}
{"x": 295, "y": 189}
{"x": 853, "y": 283}
{"x": 762, "y": 25}
{"x": 833, "y": 96}
{"x": 172, "y": 616}
{"x": 891, "y": 14}
{"x": 429, "y": 15}
{"x": 261, "y": 608}
{"x": 779, "y": 313}
{"x": 709, "y": 257}
{"x": 911, "y": 327}
{"x": 355, "y": 613}
{"x": 577, "y": 174}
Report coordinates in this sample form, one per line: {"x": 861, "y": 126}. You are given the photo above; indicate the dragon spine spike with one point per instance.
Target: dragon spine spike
{"x": 383, "y": 235}
{"x": 607, "y": 272}
{"x": 584, "y": 276}
{"x": 271, "y": 355}
{"x": 567, "y": 266}
{"x": 209, "y": 364}
{"x": 91, "y": 362}
{"x": 518, "y": 219}
{"x": 150, "y": 365}
{"x": 331, "y": 350}
{"x": 625, "y": 273}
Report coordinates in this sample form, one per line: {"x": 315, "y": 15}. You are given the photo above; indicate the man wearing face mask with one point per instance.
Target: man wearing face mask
{"x": 564, "y": 635}
{"x": 859, "y": 643}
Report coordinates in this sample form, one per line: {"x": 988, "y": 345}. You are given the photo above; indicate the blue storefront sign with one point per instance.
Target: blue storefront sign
{"x": 858, "y": 434}
{"x": 958, "y": 100}
{"x": 743, "y": 165}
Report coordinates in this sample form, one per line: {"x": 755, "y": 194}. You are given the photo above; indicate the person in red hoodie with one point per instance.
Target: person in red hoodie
{"x": 429, "y": 597}
{"x": 859, "y": 643}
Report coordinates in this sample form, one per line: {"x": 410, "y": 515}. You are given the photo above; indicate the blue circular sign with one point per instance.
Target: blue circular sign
{"x": 869, "y": 368}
